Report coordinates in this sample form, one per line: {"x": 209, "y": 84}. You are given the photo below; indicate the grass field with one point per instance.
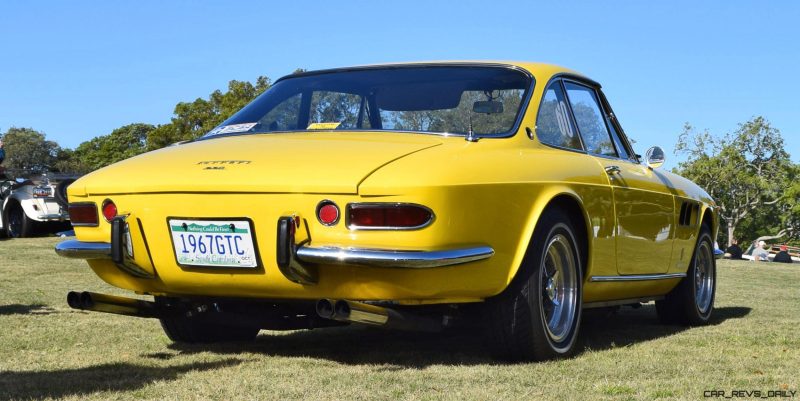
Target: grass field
{"x": 50, "y": 351}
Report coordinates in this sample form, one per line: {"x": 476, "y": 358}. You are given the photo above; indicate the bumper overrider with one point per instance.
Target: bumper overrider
{"x": 296, "y": 256}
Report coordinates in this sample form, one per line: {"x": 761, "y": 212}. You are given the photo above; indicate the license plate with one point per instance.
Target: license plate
{"x": 213, "y": 243}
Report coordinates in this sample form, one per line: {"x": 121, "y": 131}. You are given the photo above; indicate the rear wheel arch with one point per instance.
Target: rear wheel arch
{"x": 709, "y": 221}
{"x": 570, "y": 203}
{"x": 538, "y": 315}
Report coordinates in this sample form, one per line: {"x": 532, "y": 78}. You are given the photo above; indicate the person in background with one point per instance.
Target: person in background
{"x": 734, "y": 251}
{"x": 783, "y": 256}
{"x": 718, "y": 252}
{"x": 760, "y": 254}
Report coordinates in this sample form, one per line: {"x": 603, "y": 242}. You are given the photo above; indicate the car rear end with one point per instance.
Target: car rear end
{"x": 269, "y": 206}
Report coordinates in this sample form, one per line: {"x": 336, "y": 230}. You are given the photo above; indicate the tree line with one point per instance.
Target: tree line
{"x": 29, "y": 150}
{"x": 750, "y": 176}
{"x": 748, "y": 172}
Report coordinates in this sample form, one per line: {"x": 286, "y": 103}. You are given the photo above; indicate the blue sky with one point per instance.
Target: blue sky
{"x": 75, "y": 70}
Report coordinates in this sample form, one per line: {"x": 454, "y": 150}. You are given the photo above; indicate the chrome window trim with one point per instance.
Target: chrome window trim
{"x": 558, "y": 79}
{"x": 599, "y": 102}
{"x": 637, "y": 277}
{"x": 605, "y": 106}
{"x": 632, "y": 157}
{"x": 356, "y": 205}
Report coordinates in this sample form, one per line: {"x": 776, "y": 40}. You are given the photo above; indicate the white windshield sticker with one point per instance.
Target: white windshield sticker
{"x": 233, "y": 128}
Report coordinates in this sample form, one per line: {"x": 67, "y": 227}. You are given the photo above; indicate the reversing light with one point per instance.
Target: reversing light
{"x": 328, "y": 213}
{"x": 387, "y": 216}
{"x": 83, "y": 214}
{"x": 109, "y": 210}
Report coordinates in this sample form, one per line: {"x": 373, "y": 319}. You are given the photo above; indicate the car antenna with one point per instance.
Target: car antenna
{"x": 471, "y": 134}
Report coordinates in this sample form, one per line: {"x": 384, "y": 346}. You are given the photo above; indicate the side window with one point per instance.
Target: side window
{"x": 553, "y": 125}
{"x": 617, "y": 136}
{"x": 590, "y": 120}
{"x": 618, "y": 142}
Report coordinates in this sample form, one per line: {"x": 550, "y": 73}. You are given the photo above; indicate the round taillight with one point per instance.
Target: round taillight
{"x": 109, "y": 210}
{"x": 327, "y": 213}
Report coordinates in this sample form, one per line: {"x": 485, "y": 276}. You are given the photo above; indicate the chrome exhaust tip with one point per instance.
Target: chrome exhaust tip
{"x": 359, "y": 312}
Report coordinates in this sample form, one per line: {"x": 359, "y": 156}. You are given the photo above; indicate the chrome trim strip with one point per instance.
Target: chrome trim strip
{"x": 637, "y": 277}
{"x": 391, "y": 258}
{"x": 84, "y": 250}
{"x": 356, "y": 205}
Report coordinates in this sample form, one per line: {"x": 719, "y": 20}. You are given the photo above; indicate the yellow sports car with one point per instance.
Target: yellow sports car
{"x": 411, "y": 196}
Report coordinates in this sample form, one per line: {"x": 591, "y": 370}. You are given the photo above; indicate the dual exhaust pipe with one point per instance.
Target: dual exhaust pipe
{"x": 93, "y": 301}
{"x": 374, "y": 315}
{"x": 336, "y": 310}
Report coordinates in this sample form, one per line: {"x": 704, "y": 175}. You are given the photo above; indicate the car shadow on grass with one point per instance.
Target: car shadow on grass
{"x": 605, "y": 330}
{"x": 355, "y": 345}
{"x": 92, "y": 379}
{"x": 32, "y": 309}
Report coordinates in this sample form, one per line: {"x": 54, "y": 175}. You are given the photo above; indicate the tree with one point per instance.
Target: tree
{"x": 67, "y": 162}
{"x": 29, "y": 150}
{"x": 193, "y": 119}
{"x": 122, "y": 143}
{"x": 744, "y": 172}
{"x": 780, "y": 221}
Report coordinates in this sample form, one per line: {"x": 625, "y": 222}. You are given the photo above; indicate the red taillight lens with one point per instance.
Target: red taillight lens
{"x": 388, "y": 216}
{"x": 83, "y": 214}
{"x": 109, "y": 210}
{"x": 328, "y": 213}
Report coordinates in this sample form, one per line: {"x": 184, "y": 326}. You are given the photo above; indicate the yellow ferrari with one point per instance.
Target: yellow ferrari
{"x": 412, "y": 196}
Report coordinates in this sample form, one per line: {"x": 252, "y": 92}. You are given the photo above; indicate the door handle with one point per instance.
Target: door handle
{"x": 611, "y": 170}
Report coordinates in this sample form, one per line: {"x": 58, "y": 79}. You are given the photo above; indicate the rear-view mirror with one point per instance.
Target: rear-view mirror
{"x": 487, "y": 107}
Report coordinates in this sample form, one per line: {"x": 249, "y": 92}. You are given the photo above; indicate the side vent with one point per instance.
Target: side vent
{"x": 689, "y": 214}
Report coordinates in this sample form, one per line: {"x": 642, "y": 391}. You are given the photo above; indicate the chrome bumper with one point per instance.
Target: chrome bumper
{"x": 84, "y": 250}
{"x": 324, "y": 255}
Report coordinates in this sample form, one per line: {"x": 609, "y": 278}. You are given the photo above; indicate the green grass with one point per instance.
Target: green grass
{"x": 50, "y": 351}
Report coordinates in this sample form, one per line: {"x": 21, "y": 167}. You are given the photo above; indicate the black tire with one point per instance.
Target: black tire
{"x": 692, "y": 301}
{"x": 517, "y": 322}
{"x": 61, "y": 192}
{"x": 195, "y": 330}
{"x": 18, "y": 225}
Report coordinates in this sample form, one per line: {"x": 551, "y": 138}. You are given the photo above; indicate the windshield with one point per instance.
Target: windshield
{"x": 435, "y": 99}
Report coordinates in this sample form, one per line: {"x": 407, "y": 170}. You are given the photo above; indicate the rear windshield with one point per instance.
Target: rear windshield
{"x": 448, "y": 100}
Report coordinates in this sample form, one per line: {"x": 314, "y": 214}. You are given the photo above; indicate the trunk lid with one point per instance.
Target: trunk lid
{"x": 325, "y": 162}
